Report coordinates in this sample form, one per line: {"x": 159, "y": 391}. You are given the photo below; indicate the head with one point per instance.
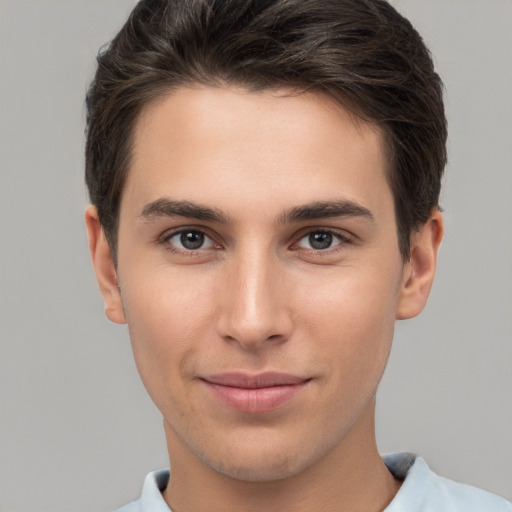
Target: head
{"x": 361, "y": 53}
{"x": 265, "y": 178}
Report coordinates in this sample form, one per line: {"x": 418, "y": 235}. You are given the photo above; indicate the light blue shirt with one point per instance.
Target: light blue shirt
{"x": 422, "y": 491}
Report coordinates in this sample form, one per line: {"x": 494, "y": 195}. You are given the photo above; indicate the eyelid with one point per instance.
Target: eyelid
{"x": 170, "y": 233}
{"x": 342, "y": 235}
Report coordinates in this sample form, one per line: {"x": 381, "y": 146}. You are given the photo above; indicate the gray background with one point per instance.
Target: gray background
{"x": 77, "y": 432}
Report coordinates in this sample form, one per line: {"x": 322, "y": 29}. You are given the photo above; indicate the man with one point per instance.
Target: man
{"x": 265, "y": 179}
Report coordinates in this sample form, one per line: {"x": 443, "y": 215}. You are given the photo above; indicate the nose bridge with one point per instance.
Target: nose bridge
{"x": 254, "y": 308}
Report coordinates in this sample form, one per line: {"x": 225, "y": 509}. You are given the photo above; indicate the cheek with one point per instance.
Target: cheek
{"x": 169, "y": 317}
{"x": 364, "y": 297}
{"x": 165, "y": 306}
{"x": 355, "y": 314}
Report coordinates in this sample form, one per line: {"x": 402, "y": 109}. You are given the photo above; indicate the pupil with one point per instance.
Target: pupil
{"x": 192, "y": 240}
{"x": 320, "y": 240}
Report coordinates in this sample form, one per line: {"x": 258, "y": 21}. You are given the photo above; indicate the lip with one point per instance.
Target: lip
{"x": 255, "y": 393}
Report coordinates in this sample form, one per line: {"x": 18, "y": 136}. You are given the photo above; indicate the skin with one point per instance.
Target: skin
{"x": 260, "y": 295}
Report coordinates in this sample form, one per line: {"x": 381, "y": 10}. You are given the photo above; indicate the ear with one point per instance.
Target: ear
{"x": 420, "y": 269}
{"x": 103, "y": 263}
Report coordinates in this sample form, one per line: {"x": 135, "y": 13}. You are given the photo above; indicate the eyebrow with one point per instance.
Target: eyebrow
{"x": 324, "y": 210}
{"x": 165, "y": 207}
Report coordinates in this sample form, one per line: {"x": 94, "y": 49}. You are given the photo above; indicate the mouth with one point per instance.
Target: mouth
{"x": 255, "y": 393}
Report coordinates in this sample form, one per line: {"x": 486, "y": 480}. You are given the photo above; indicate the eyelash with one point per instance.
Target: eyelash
{"x": 342, "y": 239}
{"x": 166, "y": 237}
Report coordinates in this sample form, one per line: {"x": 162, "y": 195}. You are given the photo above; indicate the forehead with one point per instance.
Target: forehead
{"x": 233, "y": 145}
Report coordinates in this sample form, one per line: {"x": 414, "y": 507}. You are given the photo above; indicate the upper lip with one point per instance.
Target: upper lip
{"x": 262, "y": 380}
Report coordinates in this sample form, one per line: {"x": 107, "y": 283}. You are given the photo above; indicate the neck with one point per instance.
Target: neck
{"x": 350, "y": 477}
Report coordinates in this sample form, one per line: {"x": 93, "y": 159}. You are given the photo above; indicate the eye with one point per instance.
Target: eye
{"x": 320, "y": 240}
{"x": 190, "y": 240}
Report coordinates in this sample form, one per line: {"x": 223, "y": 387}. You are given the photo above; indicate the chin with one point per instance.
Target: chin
{"x": 257, "y": 470}
{"x": 264, "y": 460}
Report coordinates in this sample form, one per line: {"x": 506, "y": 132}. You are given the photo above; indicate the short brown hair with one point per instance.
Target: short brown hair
{"x": 361, "y": 52}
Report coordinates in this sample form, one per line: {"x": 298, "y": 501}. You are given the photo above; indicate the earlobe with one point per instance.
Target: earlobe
{"x": 420, "y": 270}
{"x": 103, "y": 263}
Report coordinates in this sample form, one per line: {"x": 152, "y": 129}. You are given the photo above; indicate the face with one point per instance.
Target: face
{"x": 259, "y": 274}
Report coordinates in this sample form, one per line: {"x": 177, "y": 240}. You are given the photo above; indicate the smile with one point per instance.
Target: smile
{"x": 257, "y": 393}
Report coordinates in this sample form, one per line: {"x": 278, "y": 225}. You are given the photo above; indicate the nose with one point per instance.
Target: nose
{"x": 254, "y": 305}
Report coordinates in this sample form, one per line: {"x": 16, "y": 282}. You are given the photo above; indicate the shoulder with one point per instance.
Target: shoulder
{"x": 424, "y": 491}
